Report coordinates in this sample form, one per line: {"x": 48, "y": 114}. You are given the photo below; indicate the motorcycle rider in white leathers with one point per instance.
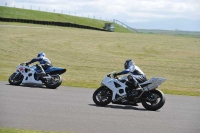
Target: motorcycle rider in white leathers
{"x": 135, "y": 76}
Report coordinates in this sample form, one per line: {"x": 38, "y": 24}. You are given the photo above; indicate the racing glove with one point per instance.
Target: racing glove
{"x": 27, "y": 63}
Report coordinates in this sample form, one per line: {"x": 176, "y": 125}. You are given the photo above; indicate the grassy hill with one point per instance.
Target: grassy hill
{"x": 11, "y": 12}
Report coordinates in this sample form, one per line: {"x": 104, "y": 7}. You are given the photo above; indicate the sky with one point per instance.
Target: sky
{"x": 139, "y": 14}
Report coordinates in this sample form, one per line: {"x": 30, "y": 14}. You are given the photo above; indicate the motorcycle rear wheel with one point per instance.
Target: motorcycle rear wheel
{"x": 154, "y": 101}
{"x": 54, "y": 82}
{"x": 102, "y": 96}
{"x": 15, "y": 79}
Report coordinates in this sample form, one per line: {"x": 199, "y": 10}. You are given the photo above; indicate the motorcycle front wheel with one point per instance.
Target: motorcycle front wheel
{"x": 102, "y": 96}
{"x": 54, "y": 82}
{"x": 154, "y": 101}
{"x": 15, "y": 79}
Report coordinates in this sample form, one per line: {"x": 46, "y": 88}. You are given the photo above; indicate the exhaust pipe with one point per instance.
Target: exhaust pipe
{"x": 147, "y": 89}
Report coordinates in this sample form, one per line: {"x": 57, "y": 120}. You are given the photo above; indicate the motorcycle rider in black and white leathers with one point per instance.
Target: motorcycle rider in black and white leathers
{"x": 135, "y": 77}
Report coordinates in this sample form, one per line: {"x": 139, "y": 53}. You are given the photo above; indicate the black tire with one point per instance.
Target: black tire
{"x": 154, "y": 101}
{"x": 54, "y": 82}
{"x": 15, "y": 79}
{"x": 102, "y": 96}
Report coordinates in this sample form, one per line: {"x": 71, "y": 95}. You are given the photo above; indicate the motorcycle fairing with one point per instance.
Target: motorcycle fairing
{"x": 152, "y": 83}
{"x": 28, "y": 74}
{"x": 55, "y": 70}
{"x": 110, "y": 83}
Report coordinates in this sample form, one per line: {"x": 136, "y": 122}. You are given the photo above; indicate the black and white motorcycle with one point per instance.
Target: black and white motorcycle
{"x": 29, "y": 75}
{"x": 114, "y": 89}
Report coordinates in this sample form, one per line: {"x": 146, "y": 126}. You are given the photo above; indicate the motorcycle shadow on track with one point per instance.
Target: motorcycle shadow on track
{"x": 31, "y": 86}
{"x": 125, "y": 107}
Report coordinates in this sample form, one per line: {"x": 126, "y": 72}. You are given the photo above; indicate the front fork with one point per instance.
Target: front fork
{"x": 17, "y": 73}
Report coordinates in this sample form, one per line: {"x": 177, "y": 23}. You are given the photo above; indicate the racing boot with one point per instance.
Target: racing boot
{"x": 131, "y": 95}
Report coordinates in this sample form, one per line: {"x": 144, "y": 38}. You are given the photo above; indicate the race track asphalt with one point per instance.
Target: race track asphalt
{"x": 70, "y": 109}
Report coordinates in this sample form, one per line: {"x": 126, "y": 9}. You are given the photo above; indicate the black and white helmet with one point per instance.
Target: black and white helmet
{"x": 128, "y": 63}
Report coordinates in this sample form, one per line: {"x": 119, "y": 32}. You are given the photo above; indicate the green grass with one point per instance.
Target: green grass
{"x": 14, "y": 130}
{"x": 89, "y": 55}
{"x": 10, "y": 12}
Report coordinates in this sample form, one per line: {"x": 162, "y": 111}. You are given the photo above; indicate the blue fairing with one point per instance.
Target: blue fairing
{"x": 55, "y": 70}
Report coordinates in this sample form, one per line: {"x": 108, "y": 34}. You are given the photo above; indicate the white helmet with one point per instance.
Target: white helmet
{"x": 41, "y": 54}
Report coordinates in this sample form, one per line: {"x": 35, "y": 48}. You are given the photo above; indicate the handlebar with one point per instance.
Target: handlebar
{"x": 112, "y": 75}
{"x": 23, "y": 64}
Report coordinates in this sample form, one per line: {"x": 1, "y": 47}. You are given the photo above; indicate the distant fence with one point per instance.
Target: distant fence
{"x": 64, "y": 24}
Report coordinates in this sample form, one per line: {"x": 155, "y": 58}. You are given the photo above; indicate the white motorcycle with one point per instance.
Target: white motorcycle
{"x": 29, "y": 75}
{"x": 114, "y": 89}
